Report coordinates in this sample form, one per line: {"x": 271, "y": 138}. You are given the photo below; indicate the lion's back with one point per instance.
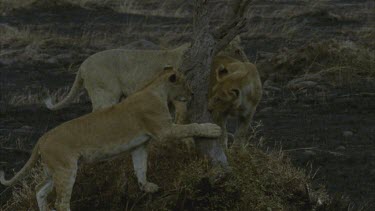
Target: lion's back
{"x": 128, "y": 69}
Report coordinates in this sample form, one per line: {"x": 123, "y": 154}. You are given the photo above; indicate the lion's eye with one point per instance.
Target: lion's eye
{"x": 217, "y": 99}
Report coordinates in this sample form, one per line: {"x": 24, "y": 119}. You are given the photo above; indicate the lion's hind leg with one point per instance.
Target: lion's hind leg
{"x": 139, "y": 157}
{"x": 43, "y": 190}
{"x": 64, "y": 179}
{"x": 101, "y": 98}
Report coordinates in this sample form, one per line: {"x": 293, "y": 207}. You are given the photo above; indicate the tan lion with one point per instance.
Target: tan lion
{"x": 127, "y": 126}
{"x": 235, "y": 90}
{"x": 112, "y": 74}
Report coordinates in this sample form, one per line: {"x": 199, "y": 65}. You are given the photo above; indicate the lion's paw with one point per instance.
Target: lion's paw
{"x": 150, "y": 187}
{"x": 210, "y": 130}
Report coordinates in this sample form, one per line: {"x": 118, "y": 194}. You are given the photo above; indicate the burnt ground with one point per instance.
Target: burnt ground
{"x": 313, "y": 133}
{"x": 331, "y": 133}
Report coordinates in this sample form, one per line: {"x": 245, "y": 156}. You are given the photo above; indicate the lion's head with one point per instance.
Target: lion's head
{"x": 226, "y": 94}
{"x": 178, "y": 89}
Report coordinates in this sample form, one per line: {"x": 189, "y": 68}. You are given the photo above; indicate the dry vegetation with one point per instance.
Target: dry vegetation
{"x": 258, "y": 181}
{"x": 166, "y": 8}
{"x": 23, "y": 45}
{"x": 15, "y": 40}
{"x": 339, "y": 63}
{"x": 30, "y": 98}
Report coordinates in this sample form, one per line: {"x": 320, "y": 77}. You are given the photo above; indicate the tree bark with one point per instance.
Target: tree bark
{"x": 197, "y": 61}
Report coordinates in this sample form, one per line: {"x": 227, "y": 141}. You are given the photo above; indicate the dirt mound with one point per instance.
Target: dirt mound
{"x": 258, "y": 181}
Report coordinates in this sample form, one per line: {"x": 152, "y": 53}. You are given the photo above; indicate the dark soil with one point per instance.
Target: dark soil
{"x": 345, "y": 164}
{"x": 333, "y": 134}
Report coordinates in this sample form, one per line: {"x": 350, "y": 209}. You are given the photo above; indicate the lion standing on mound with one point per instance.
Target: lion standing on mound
{"x": 127, "y": 126}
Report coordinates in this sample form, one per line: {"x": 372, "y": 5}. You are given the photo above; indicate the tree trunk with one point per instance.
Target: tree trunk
{"x": 197, "y": 61}
{"x": 199, "y": 79}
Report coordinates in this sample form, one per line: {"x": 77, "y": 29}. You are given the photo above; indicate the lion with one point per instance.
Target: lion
{"x": 111, "y": 75}
{"x": 127, "y": 126}
{"x": 235, "y": 90}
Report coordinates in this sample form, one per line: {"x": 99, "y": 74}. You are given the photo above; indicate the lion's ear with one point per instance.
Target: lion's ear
{"x": 168, "y": 67}
{"x": 221, "y": 72}
{"x": 172, "y": 78}
{"x": 235, "y": 92}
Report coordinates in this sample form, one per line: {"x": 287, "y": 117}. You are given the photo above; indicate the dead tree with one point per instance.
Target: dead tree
{"x": 206, "y": 42}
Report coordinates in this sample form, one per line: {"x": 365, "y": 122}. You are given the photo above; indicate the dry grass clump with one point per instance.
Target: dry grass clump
{"x": 23, "y": 37}
{"x": 7, "y": 5}
{"x": 11, "y": 36}
{"x": 258, "y": 181}
{"x": 31, "y": 98}
{"x": 22, "y": 45}
{"x": 367, "y": 36}
{"x": 337, "y": 60}
{"x": 23, "y": 195}
{"x": 166, "y": 8}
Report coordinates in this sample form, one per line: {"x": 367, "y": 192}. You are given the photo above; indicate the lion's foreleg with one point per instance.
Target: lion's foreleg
{"x": 139, "y": 157}
{"x": 222, "y": 122}
{"x": 181, "y": 118}
{"x": 240, "y": 137}
{"x": 180, "y": 112}
{"x": 176, "y": 131}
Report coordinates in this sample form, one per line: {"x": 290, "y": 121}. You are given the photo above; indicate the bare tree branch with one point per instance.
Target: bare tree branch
{"x": 234, "y": 18}
{"x": 230, "y": 35}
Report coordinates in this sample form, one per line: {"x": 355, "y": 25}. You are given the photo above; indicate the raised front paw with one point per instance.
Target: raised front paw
{"x": 150, "y": 187}
{"x": 210, "y": 130}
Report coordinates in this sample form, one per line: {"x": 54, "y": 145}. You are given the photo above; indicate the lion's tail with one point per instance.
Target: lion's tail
{"x": 77, "y": 86}
{"x": 26, "y": 168}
